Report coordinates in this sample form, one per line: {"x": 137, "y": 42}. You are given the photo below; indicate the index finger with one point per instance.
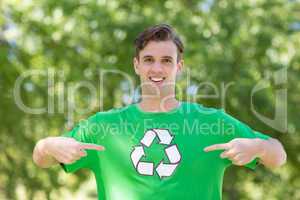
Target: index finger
{"x": 217, "y": 147}
{"x": 91, "y": 146}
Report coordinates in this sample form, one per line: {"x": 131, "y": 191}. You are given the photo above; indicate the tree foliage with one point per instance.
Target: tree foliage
{"x": 239, "y": 42}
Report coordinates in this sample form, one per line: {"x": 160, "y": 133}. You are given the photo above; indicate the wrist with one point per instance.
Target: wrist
{"x": 260, "y": 147}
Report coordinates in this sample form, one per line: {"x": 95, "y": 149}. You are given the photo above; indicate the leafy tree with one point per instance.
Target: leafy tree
{"x": 226, "y": 41}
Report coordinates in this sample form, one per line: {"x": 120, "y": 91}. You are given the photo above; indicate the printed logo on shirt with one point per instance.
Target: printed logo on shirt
{"x": 162, "y": 169}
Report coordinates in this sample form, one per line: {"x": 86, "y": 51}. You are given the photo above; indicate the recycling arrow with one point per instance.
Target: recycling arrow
{"x": 137, "y": 154}
{"x": 164, "y": 170}
{"x": 145, "y": 168}
{"x": 164, "y": 136}
{"x": 148, "y": 138}
{"x": 172, "y": 152}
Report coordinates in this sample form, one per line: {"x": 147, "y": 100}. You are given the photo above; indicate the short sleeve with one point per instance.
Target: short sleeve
{"x": 241, "y": 130}
{"x": 81, "y": 133}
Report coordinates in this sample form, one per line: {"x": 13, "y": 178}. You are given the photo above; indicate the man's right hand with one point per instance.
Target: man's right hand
{"x": 65, "y": 150}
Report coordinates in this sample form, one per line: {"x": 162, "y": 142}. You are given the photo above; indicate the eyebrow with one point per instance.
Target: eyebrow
{"x": 170, "y": 57}
{"x": 149, "y": 56}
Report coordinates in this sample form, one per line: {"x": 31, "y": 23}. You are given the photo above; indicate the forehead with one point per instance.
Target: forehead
{"x": 159, "y": 48}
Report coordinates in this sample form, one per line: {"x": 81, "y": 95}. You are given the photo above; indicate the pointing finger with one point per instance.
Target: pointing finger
{"x": 92, "y": 146}
{"x": 217, "y": 147}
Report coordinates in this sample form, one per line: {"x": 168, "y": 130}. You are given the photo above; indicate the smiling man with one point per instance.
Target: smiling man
{"x": 159, "y": 148}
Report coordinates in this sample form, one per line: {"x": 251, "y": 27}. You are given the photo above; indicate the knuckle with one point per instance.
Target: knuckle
{"x": 77, "y": 145}
{"x": 74, "y": 151}
{"x": 235, "y": 159}
{"x": 237, "y": 162}
{"x": 66, "y": 161}
{"x": 237, "y": 146}
{"x": 230, "y": 156}
{"x": 70, "y": 160}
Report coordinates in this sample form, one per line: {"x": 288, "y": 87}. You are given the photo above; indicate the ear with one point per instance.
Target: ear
{"x": 180, "y": 66}
{"x": 135, "y": 64}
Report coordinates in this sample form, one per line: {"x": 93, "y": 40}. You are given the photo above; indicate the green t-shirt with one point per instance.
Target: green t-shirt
{"x": 158, "y": 155}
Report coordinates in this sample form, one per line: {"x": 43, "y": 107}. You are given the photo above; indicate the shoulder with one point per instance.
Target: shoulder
{"x": 211, "y": 112}
{"x": 98, "y": 120}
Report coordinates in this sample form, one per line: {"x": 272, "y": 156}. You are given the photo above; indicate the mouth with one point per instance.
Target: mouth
{"x": 157, "y": 79}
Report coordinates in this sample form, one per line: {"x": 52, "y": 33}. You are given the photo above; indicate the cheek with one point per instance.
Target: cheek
{"x": 143, "y": 71}
{"x": 172, "y": 72}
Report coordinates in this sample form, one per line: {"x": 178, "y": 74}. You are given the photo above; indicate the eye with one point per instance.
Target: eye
{"x": 148, "y": 60}
{"x": 167, "y": 61}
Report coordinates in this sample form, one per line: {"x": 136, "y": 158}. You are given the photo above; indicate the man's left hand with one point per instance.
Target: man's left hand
{"x": 239, "y": 150}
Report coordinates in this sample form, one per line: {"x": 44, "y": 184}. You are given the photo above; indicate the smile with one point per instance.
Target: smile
{"x": 157, "y": 80}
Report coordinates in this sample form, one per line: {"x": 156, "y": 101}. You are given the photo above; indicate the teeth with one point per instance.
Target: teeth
{"x": 156, "y": 79}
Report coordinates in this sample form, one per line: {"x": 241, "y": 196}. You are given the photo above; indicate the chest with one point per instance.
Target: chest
{"x": 161, "y": 153}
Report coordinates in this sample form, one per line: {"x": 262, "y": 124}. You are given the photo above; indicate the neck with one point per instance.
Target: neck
{"x": 157, "y": 104}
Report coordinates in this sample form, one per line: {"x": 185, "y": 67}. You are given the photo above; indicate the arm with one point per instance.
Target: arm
{"x": 243, "y": 150}
{"x": 271, "y": 153}
{"x": 53, "y": 150}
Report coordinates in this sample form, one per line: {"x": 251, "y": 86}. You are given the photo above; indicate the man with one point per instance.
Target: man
{"x": 159, "y": 148}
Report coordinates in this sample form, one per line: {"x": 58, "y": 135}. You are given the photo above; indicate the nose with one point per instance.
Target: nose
{"x": 157, "y": 67}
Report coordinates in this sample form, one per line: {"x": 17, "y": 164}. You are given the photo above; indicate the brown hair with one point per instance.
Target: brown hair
{"x": 160, "y": 32}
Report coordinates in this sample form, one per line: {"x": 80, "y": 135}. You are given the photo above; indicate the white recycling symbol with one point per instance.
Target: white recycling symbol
{"x": 172, "y": 152}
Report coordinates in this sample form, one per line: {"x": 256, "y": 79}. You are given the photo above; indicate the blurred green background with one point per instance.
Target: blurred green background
{"x": 243, "y": 42}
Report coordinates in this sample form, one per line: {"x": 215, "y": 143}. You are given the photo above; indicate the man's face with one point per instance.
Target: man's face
{"x": 157, "y": 67}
